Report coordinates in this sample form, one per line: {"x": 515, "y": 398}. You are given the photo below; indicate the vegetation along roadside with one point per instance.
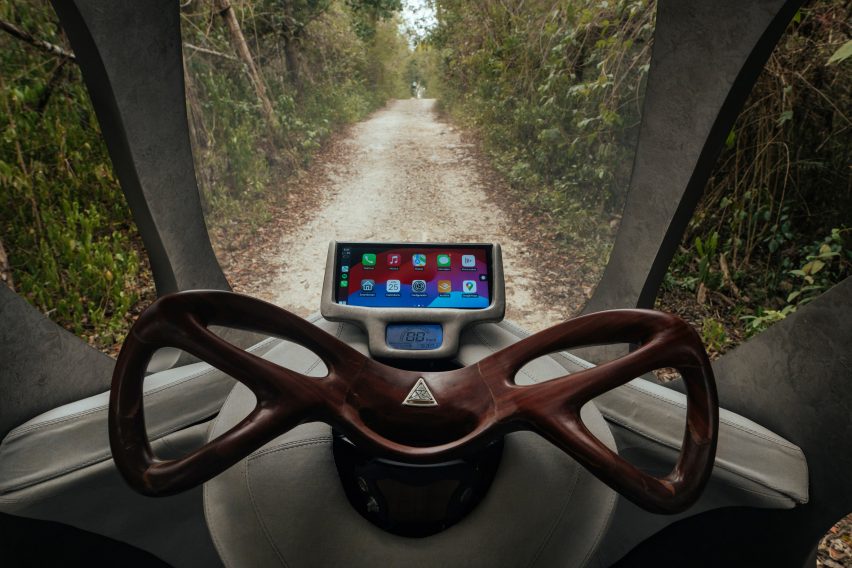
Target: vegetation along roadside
{"x": 267, "y": 83}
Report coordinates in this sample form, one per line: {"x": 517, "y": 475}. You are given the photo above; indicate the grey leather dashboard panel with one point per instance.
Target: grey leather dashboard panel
{"x": 74, "y": 435}
{"x": 748, "y": 455}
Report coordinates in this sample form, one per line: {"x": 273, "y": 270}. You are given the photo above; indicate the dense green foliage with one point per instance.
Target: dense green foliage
{"x": 74, "y": 251}
{"x": 63, "y": 219}
{"x": 324, "y": 64}
{"x": 555, "y": 90}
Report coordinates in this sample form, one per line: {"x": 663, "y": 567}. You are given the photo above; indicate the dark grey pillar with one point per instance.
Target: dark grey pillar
{"x": 705, "y": 60}
{"x": 130, "y": 55}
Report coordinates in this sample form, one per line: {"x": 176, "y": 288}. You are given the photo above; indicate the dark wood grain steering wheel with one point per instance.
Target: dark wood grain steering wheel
{"x": 364, "y": 398}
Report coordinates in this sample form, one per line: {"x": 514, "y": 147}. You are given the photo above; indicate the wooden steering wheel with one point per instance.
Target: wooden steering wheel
{"x": 365, "y": 399}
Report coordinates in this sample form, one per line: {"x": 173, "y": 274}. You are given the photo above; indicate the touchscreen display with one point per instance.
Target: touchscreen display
{"x": 413, "y": 276}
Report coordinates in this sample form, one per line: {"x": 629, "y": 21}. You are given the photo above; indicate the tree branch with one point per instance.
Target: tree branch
{"x": 239, "y": 44}
{"x": 210, "y": 52}
{"x": 35, "y": 42}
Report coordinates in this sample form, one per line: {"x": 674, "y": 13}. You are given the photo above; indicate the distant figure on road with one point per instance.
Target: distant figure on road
{"x": 417, "y": 90}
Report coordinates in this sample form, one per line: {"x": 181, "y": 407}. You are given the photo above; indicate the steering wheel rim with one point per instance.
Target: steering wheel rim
{"x": 365, "y": 399}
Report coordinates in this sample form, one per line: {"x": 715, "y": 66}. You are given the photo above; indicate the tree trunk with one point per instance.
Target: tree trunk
{"x": 196, "y": 117}
{"x": 242, "y": 49}
{"x": 199, "y": 138}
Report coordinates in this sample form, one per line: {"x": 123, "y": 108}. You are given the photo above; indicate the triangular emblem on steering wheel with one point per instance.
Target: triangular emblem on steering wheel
{"x": 420, "y": 395}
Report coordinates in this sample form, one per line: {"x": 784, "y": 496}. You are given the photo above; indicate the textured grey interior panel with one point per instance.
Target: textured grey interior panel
{"x": 750, "y": 459}
{"x": 74, "y": 436}
{"x": 705, "y": 59}
{"x": 285, "y": 506}
{"x": 41, "y": 364}
{"x": 754, "y": 466}
{"x": 748, "y": 455}
{"x": 131, "y": 59}
{"x": 98, "y": 500}
{"x": 57, "y": 466}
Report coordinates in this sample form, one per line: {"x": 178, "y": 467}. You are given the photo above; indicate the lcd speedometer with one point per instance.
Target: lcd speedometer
{"x": 414, "y": 336}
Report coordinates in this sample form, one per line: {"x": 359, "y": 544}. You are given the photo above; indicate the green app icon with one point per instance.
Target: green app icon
{"x": 368, "y": 259}
{"x": 443, "y": 261}
{"x": 344, "y": 283}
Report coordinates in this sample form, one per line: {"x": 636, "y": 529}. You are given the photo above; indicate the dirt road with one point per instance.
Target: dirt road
{"x": 401, "y": 175}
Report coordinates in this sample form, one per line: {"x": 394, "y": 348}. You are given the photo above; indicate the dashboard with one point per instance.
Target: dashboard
{"x": 413, "y": 299}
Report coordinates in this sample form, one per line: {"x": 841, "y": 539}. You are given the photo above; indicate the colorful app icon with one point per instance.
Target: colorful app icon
{"x": 418, "y": 260}
{"x": 443, "y": 261}
{"x": 344, "y": 283}
{"x": 445, "y": 286}
{"x": 469, "y": 286}
{"x": 344, "y": 268}
{"x": 393, "y": 286}
{"x": 468, "y": 261}
{"x": 367, "y": 285}
{"x": 418, "y": 286}
{"x": 394, "y": 259}
{"x": 368, "y": 259}
{"x": 345, "y": 276}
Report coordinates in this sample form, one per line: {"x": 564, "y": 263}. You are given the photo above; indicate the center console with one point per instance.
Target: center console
{"x": 413, "y": 300}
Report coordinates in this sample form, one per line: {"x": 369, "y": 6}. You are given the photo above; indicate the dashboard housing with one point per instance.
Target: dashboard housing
{"x": 375, "y": 320}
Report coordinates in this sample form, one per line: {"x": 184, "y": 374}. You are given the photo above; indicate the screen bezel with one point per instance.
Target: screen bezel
{"x": 425, "y": 247}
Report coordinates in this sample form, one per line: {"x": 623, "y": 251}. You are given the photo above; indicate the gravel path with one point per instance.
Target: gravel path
{"x": 402, "y": 175}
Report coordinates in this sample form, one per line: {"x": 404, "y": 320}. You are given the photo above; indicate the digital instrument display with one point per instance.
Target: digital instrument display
{"x": 383, "y": 275}
{"x": 414, "y": 336}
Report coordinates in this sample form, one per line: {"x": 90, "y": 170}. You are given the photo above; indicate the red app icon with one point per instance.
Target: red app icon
{"x": 394, "y": 259}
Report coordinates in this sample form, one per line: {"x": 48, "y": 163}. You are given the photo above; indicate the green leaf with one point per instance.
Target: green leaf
{"x": 731, "y": 139}
{"x": 842, "y": 54}
{"x": 813, "y": 267}
{"x": 784, "y": 117}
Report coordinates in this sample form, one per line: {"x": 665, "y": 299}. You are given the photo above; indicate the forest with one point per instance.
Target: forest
{"x": 266, "y": 81}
